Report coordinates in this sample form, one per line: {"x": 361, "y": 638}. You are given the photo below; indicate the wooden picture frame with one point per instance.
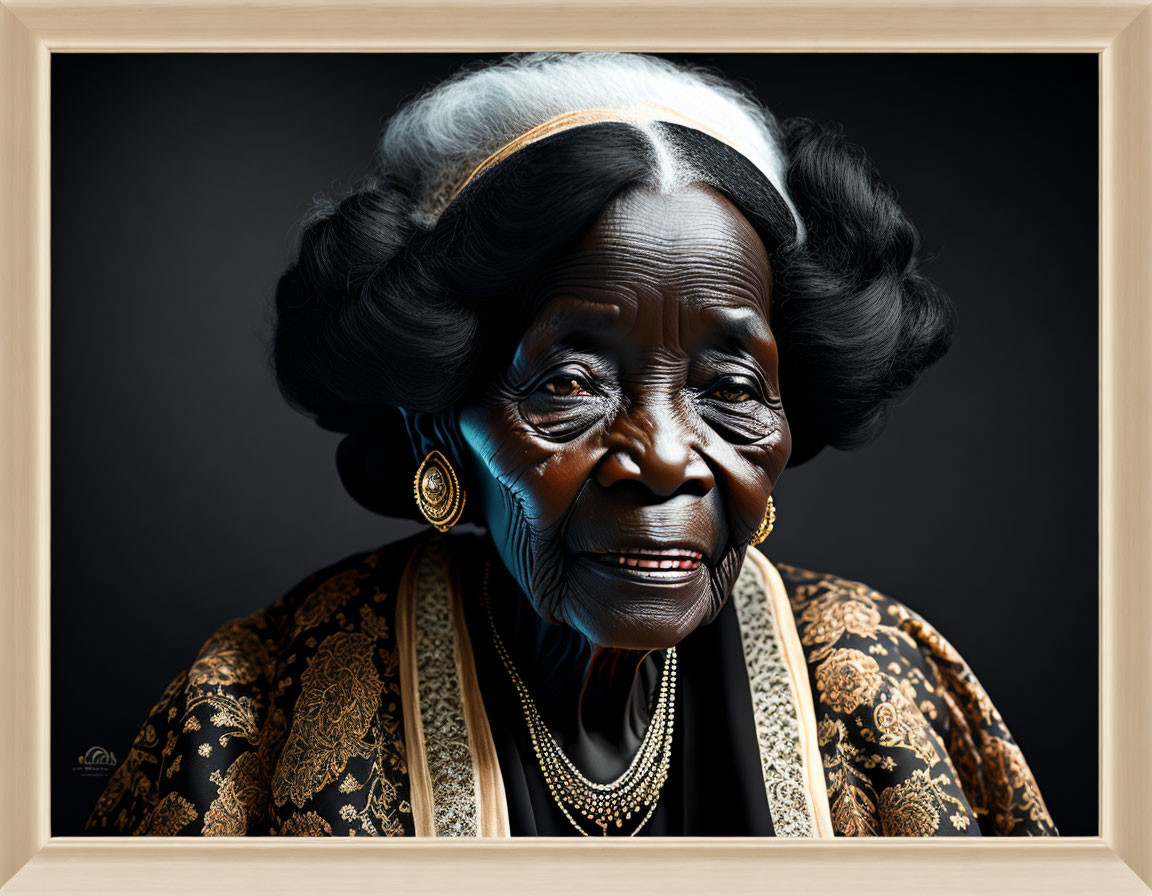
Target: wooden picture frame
{"x": 1116, "y": 861}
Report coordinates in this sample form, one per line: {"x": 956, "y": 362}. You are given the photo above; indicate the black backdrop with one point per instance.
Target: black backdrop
{"x": 184, "y": 493}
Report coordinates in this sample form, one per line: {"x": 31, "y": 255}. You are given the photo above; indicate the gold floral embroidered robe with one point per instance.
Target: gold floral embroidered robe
{"x": 298, "y": 720}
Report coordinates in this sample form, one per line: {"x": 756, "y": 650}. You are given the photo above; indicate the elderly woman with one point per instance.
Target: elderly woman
{"x": 594, "y": 304}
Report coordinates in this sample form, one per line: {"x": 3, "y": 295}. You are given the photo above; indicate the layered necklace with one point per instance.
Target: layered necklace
{"x": 630, "y": 800}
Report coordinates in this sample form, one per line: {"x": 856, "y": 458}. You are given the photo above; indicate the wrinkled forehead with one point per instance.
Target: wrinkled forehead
{"x": 696, "y": 218}
{"x": 689, "y": 255}
{"x": 644, "y": 234}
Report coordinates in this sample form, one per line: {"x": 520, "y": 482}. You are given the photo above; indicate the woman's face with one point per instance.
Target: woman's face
{"x": 625, "y": 455}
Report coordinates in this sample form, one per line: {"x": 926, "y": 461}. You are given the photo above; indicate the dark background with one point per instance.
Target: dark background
{"x": 185, "y": 493}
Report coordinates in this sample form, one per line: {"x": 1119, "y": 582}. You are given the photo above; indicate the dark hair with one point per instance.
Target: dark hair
{"x": 379, "y": 318}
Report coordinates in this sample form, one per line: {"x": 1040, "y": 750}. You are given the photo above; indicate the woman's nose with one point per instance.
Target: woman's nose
{"x": 653, "y": 448}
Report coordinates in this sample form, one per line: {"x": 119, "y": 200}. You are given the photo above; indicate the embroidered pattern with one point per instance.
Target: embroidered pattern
{"x": 911, "y": 744}
{"x": 284, "y": 717}
{"x": 339, "y": 696}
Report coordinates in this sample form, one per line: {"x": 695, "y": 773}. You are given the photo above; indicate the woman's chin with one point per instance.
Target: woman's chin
{"x": 639, "y": 607}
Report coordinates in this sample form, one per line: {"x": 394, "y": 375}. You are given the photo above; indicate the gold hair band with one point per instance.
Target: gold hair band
{"x": 578, "y": 117}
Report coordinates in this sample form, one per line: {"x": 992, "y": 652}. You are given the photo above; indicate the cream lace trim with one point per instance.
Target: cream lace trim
{"x": 773, "y": 708}
{"x": 446, "y": 742}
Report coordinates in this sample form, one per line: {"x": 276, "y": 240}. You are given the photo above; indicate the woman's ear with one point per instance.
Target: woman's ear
{"x": 436, "y": 432}
{"x": 377, "y": 466}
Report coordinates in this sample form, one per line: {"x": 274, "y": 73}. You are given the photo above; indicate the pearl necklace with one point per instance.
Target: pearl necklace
{"x": 636, "y": 791}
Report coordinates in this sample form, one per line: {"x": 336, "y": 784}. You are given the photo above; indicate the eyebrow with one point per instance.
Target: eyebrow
{"x": 566, "y": 315}
{"x": 744, "y": 327}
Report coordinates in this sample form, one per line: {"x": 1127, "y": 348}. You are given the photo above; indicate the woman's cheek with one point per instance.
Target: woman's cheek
{"x": 759, "y": 468}
{"x": 555, "y": 475}
{"x": 542, "y": 477}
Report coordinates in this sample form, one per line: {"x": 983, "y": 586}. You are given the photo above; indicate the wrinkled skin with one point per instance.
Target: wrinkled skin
{"x": 639, "y": 411}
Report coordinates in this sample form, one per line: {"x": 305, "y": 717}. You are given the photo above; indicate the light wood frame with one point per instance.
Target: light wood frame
{"x": 1119, "y": 32}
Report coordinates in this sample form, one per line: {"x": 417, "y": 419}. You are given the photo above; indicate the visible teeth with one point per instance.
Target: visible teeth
{"x": 680, "y": 562}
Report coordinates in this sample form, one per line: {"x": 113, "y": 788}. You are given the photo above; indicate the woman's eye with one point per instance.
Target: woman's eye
{"x": 736, "y": 407}
{"x": 732, "y": 392}
{"x": 566, "y": 387}
{"x": 565, "y": 404}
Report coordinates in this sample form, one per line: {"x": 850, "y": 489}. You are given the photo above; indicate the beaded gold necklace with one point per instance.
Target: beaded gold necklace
{"x": 636, "y": 791}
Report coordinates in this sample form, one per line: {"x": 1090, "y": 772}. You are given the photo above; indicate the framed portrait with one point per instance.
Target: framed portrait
{"x": 162, "y": 173}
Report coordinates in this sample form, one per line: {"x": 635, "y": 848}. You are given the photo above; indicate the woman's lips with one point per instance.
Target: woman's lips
{"x": 670, "y": 560}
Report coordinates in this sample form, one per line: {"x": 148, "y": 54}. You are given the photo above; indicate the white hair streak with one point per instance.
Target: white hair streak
{"x": 438, "y": 138}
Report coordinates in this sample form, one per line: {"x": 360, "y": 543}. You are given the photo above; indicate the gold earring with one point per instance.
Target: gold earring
{"x": 438, "y": 492}
{"x": 765, "y": 524}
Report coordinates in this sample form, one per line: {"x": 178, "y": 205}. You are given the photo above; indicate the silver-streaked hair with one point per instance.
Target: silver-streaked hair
{"x": 431, "y": 144}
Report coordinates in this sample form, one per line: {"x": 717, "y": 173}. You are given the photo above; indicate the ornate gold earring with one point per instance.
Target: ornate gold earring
{"x": 438, "y": 492}
{"x": 765, "y": 524}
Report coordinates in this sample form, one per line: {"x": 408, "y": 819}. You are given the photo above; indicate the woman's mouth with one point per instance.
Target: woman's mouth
{"x": 669, "y": 561}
